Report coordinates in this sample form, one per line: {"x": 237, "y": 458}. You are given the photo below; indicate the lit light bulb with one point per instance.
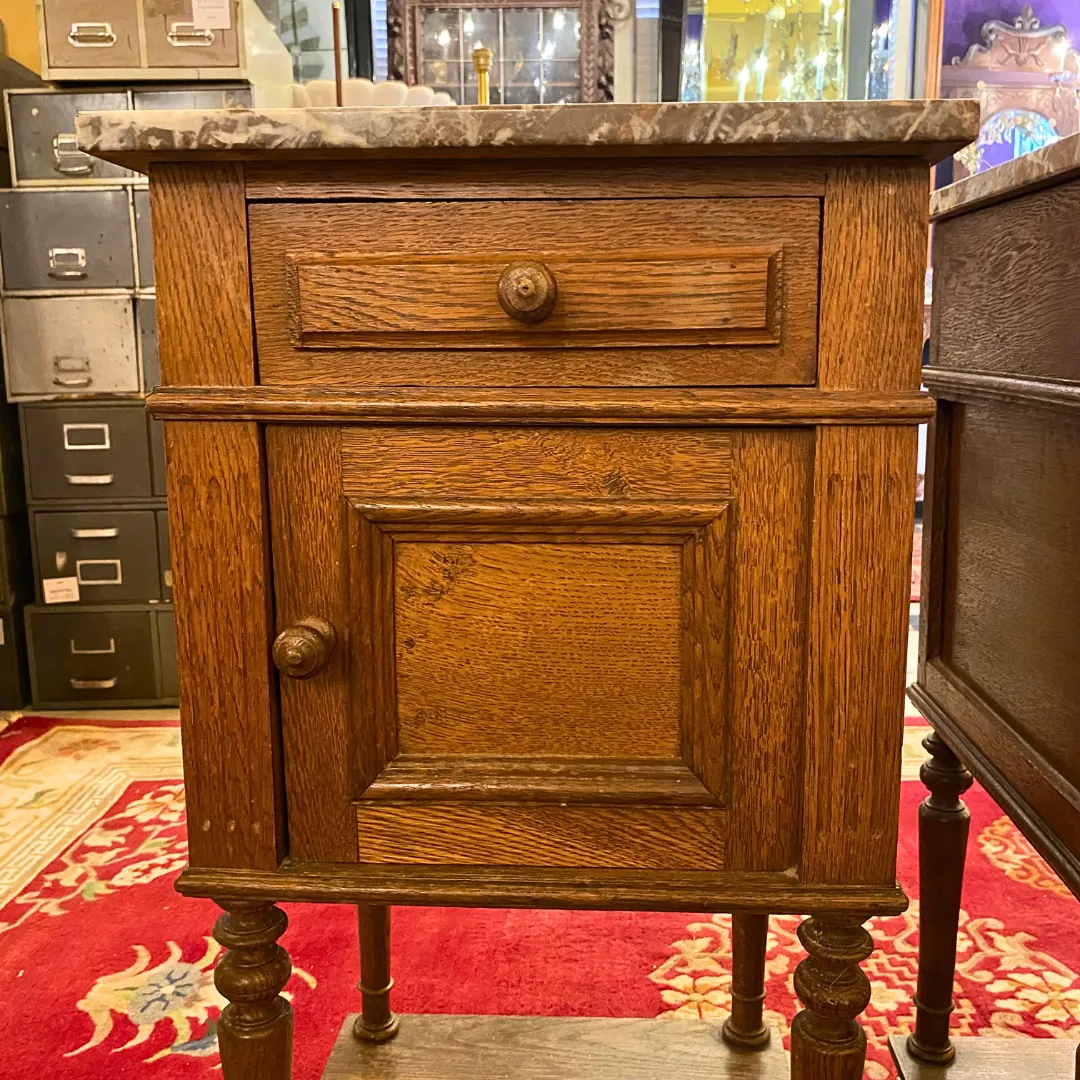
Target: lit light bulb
{"x": 787, "y": 83}
{"x": 821, "y": 60}
{"x": 469, "y": 25}
{"x": 444, "y": 38}
{"x": 743, "y": 79}
{"x": 1062, "y": 48}
{"x": 838, "y": 18}
{"x": 558, "y": 20}
{"x": 536, "y": 83}
{"x": 761, "y": 64}
{"x": 548, "y": 51}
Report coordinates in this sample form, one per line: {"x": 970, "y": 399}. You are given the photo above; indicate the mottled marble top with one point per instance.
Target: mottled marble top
{"x": 1034, "y": 170}
{"x": 924, "y": 129}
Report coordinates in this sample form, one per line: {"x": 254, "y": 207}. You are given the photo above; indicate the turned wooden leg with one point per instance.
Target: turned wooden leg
{"x": 255, "y": 1031}
{"x": 826, "y": 1042}
{"x": 744, "y": 1029}
{"x": 376, "y": 1023}
{"x": 943, "y": 834}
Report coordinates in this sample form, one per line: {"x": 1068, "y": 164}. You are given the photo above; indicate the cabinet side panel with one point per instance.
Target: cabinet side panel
{"x": 224, "y": 626}
{"x": 199, "y": 222}
{"x": 771, "y": 477}
{"x": 873, "y": 259}
{"x": 864, "y": 507}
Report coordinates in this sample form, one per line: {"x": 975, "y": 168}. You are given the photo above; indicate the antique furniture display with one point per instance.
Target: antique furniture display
{"x": 999, "y": 662}
{"x": 549, "y": 52}
{"x": 542, "y": 534}
{"x": 1024, "y": 76}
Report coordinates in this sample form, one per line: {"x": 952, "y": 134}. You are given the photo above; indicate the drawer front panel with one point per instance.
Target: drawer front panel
{"x": 92, "y": 655}
{"x": 66, "y": 239}
{"x": 86, "y": 452}
{"x": 194, "y": 97}
{"x": 173, "y": 40}
{"x": 672, "y": 292}
{"x": 144, "y": 244}
{"x": 92, "y": 33}
{"x": 164, "y": 554}
{"x": 166, "y": 622}
{"x": 112, "y": 553}
{"x": 43, "y": 137}
{"x": 492, "y": 835}
{"x": 15, "y": 566}
{"x": 70, "y": 345}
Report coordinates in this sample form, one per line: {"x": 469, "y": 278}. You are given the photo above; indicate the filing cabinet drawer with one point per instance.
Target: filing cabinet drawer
{"x": 86, "y": 452}
{"x": 613, "y": 292}
{"x": 69, "y": 345}
{"x": 92, "y": 33}
{"x": 172, "y": 40}
{"x": 157, "y": 457}
{"x": 12, "y": 490}
{"x": 144, "y": 244}
{"x": 166, "y": 622}
{"x": 146, "y": 321}
{"x": 66, "y": 239}
{"x": 92, "y": 655}
{"x": 194, "y": 97}
{"x": 113, "y": 554}
{"x": 43, "y": 137}
{"x": 164, "y": 554}
{"x": 16, "y": 571}
{"x": 14, "y": 680}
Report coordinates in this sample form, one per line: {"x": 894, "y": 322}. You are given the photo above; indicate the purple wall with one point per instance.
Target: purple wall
{"x": 964, "y": 20}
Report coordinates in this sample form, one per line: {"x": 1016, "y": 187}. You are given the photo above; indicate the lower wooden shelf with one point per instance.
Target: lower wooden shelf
{"x": 983, "y": 1057}
{"x": 551, "y": 1048}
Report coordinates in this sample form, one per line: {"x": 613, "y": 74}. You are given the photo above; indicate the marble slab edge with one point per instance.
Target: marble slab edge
{"x": 1051, "y": 164}
{"x": 923, "y": 129}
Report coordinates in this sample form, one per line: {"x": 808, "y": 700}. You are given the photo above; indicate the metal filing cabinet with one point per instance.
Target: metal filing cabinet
{"x": 86, "y": 453}
{"x": 69, "y": 345}
{"x": 144, "y": 244}
{"x": 146, "y": 324}
{"x": 111, "y": 553}
{"x": 99, "y": 34}
{"x": 60, "y": 239}
{"x": 164, "y": 555}
{"x": 42, "y": 145}
{"x": 193, "y": 97}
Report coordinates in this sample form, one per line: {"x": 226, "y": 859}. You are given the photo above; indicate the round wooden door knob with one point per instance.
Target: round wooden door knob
{"x": 303, "y": 649}
{"x": 527, "y": 291}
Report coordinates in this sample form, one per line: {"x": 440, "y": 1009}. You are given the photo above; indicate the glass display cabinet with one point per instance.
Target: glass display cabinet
{"x": 547, "y": 53}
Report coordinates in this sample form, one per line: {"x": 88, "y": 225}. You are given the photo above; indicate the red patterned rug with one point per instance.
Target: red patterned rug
{"x": 108, "y": 973}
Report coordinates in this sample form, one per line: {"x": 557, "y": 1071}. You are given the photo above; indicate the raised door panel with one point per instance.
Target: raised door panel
{"x": 535, "y": 633}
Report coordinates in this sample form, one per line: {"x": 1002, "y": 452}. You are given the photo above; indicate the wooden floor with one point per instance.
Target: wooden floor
{"x": 986, "y": 1058}
{"x": 551, "y": 1048}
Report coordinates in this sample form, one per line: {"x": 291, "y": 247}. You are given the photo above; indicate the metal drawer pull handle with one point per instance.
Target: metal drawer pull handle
{"x": 89, "y": 480}
{"x": 67, "y": 262}
{"x": 111, "y": 564}
{"x": 95, "y": 534}
{"x": 182, "y": 34}
{"x": 527, "y": 291}
{"x": 94, "y": 652}
{"x": 91, "y": 35}
{"x": 92, "y": 684}
{"x": 67, "y": 156}
{"x": 77, "y": 381}
{"x": 101, "y": 429}
{"x": 304, "y": 648}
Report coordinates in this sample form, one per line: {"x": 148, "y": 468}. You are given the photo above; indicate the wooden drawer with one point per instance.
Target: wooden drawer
{"x": 646, "y": 292}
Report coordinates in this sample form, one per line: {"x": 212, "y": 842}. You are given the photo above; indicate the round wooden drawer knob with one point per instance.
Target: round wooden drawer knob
{"x": 527, "y": 291}
{"x": 303, "y": 649}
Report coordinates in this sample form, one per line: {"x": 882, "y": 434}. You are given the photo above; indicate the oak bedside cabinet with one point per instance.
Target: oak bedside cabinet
{"x": 542, "y": 483}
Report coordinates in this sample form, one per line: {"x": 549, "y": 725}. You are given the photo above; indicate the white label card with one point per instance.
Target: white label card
{"x": 211, "y": 14}
{"x": 60, "y": 590}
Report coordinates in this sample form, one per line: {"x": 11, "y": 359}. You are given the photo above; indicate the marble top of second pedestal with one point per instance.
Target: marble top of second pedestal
{"x": 922, "y": 129}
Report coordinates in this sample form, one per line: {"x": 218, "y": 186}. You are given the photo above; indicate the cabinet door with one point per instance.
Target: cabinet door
{"x": 92, "y": 33}
{"x": 533, "y": 647}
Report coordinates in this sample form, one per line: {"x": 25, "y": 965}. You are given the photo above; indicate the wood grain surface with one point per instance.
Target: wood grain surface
{"x": 771, "y": 489}
{"x": 199, "y": 222}
{"x": 1019, "y": 326}
{"x": 985, "y": 1057}
{"x": 537, "y": 179}
{"x": 315, "y": 713}
{"x": 223, "y": 598}
{"x": 705, "y": 296}
{"x": 673, "y": 838}
{"x": 873, "y": 251}
{"x": 568, "y": 463}
{"x": 552, "y": 230}
{"x": 754, "y": 406}
{"x": 550, "y": 1048}
{"x": 864, "y": 506}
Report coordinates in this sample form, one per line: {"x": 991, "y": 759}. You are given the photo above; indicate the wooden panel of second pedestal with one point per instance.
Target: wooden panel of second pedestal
{"x": 463, "y": 677}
